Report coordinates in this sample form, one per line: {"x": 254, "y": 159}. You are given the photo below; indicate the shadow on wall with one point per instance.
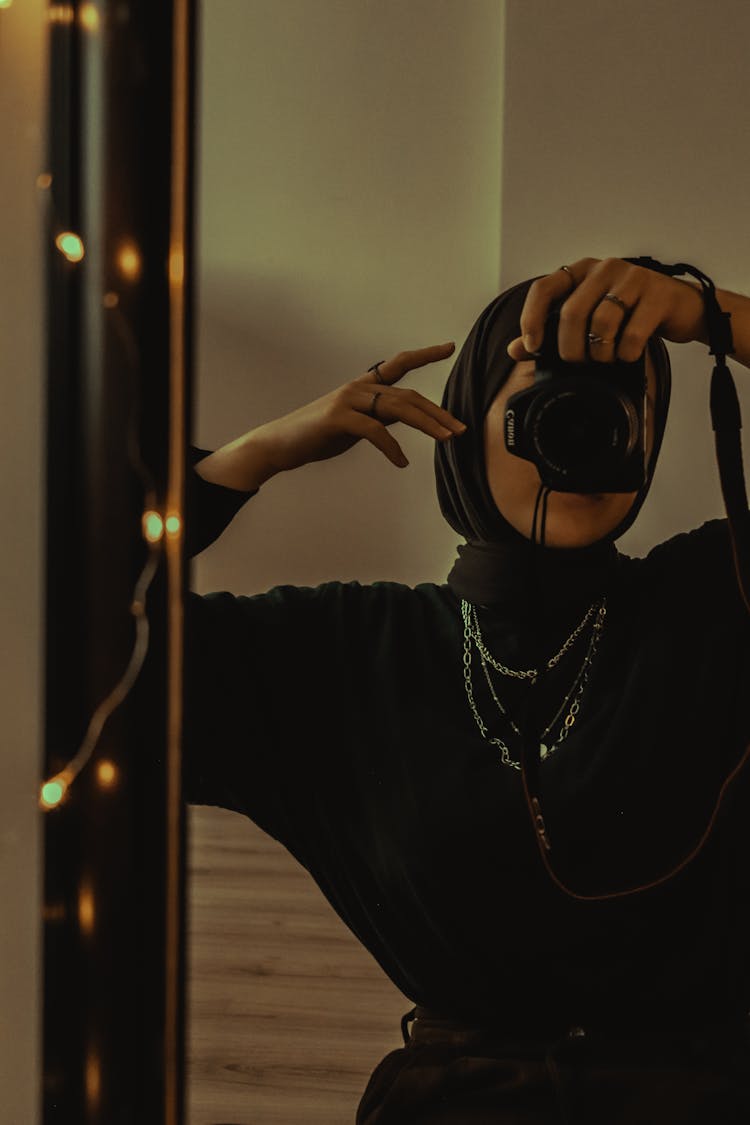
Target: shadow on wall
{"x": 263, "y": 351}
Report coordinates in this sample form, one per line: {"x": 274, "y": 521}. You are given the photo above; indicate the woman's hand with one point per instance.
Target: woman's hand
{"x": 363, "y": 408}
{"x": 655, "y": 303}
{"x": 330, "y": 425}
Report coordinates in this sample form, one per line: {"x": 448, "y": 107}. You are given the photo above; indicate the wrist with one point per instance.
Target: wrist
{"x": 243, "y": 464}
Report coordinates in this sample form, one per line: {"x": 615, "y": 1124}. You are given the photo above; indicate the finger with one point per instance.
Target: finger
{"x": 606, "y": 321}
{"x": 586, "y": 312}
{"x": 403, "y": 406}
{"x": 444, "y": 417}
{"x": 394, "y": 369}
{"x": 418, "y": 419}
{"x": 517, "y": 351}
{"x": 540, "y": 296}
{"x": 376, "y": 433}
{"x": 642, "y": 323}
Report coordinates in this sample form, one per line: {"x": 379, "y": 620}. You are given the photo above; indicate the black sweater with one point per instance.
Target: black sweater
{"x": 336, "y": 719}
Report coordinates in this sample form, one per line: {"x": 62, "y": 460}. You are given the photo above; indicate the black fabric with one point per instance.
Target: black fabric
{"x": 498, "y": 565}
{"x": 336, "y": 718}
{"x": 210, "y": 507}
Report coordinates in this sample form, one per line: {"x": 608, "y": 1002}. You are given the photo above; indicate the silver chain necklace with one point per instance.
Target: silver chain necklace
{"x": 469, "y": 614}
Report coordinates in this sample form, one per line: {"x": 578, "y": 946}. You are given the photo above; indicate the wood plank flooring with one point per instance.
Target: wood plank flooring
{"x": 288, "y": 1014}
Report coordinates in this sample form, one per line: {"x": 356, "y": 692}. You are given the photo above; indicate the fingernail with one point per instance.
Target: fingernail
{"x": 529, "y": 342}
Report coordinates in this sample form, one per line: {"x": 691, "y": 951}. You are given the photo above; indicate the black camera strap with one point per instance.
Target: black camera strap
{"x": 726, "y": 419}
{"x": 727, "y": 423}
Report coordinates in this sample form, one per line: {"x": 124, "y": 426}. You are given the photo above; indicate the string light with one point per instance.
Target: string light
{"x": 86, "y": 909}
{"x": 61, "y": 13}
{"x": 53, "y": 792}
{"x": 107, "y": 774}
{"x": 88, "y": 17}
{"x": 71, "y": 245}
{"x": 128, "y": 260}
{"x": 153, "y": 527}
{"x": 93, "y": 1078}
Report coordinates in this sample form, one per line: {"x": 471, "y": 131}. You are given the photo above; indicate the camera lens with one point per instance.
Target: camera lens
{"x": 573, "y": 431}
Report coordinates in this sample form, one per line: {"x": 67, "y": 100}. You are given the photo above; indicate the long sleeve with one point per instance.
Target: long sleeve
{"x": 209, "y": 508}
{"x": 336, "y": 718}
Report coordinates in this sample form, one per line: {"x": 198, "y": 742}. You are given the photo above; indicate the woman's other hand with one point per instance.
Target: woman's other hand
{"x": 362, "y": 408}
{"x": 654, "y": 304}
{"x": 330, "y": 425}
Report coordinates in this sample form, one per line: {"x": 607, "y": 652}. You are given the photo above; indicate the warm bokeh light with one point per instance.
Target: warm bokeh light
{"x": 61, "y": 13}
{"x": 52, "y": 793}
{"x": 129, "y": 262}
{"x": 70, "y": 245}
{"x": 44, "y": 180}
{"x": 106, "y": 774}
{"x": 153, "y": 527}
{"x": 93, "y": 1082}
{"x": 88, "y": 17}
{"x": 86, "y": 909}
{"x": 176, "y": 267}
{"x": 173, "y": 525}
{"x": 5, "y": 3}
{"x": 111, "y": 300}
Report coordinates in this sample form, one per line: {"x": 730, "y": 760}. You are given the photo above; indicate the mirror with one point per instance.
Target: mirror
{"x": 369, "y": 177}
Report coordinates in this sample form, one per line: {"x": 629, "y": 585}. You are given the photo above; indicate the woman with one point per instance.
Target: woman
{"x": 373, "y": 731}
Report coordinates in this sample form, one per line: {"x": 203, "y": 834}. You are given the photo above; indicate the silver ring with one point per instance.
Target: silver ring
{"x": 569, "y": 272}
{"x": 375, "y": 397}
{"x": 594, "y": 339}
{"x": 617, "y": 301}
{"x": 374, "y": 368}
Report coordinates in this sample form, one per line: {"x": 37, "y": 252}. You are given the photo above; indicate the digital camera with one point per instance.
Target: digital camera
{"x": 582, "y": 424}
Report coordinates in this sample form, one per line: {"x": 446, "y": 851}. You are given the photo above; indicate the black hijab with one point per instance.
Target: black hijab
{"x": 498, "y": 567}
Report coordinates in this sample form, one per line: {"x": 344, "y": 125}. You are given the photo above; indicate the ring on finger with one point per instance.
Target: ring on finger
{"x": 569, "y": 272}
{"x": 374, "y": 368}
{"x": 594, "y": 339}
{"x": 617, "y": 300}
{"x": 373, "y": 404}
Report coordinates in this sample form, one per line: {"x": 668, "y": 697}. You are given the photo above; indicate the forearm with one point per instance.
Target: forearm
{"x": 739, "y": 307}
{"x": 242, "y": 464}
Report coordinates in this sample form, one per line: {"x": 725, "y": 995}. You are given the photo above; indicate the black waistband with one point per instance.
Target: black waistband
{"x": 620, "y": 1040}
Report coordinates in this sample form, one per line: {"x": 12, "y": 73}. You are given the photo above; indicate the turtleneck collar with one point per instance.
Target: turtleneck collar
{"x": 509, "y": 578}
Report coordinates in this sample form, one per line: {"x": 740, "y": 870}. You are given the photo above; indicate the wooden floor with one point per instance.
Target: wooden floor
{"x": 288, "y": 1015}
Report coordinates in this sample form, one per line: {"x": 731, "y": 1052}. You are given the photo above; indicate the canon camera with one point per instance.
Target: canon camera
{"x": 582, "y": 424}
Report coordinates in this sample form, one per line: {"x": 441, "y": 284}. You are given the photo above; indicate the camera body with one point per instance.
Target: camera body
{"x": 582, "y": 424}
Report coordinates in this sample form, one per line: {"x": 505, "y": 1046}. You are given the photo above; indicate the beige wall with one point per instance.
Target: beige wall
{"x": 624, "y": 135}
{"x": 349, "y": 209}
{"x": 22, "y": 82}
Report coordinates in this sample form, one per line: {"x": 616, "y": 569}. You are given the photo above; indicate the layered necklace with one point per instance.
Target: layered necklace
{"x": 473, "y": 636}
